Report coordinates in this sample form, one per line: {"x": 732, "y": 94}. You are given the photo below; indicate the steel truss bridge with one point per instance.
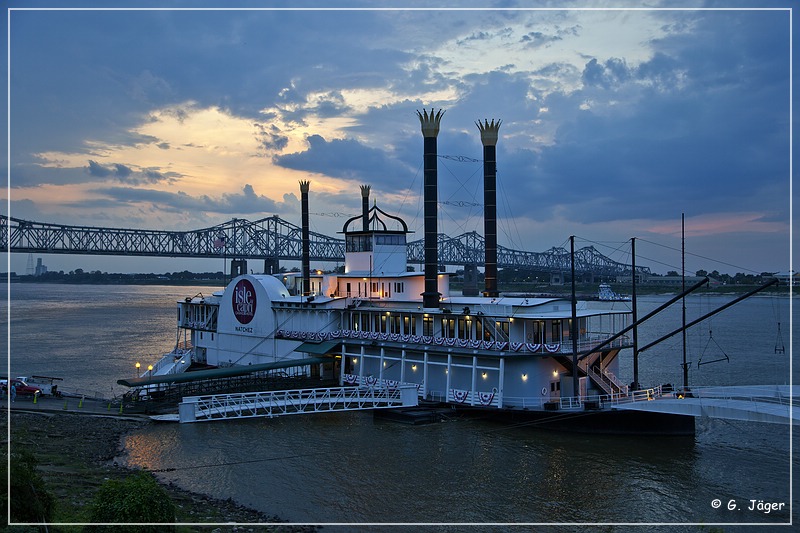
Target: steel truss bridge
{"x": 275, "y": 239}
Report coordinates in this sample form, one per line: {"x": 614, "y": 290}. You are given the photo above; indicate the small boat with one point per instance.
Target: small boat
{"x": 606, "y": 294}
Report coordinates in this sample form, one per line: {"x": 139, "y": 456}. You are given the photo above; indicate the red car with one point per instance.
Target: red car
{"x": 23, "y": 389}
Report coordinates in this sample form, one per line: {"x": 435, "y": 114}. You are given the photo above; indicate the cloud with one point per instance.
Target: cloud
{"x": 126, "y": 174}
{"x": 608, "y": 116}
{"x": 245, "y": 203}
{"x": 346, "y": 159}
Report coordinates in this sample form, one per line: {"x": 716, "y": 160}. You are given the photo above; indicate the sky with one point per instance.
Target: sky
{"x": 614, "y": 122}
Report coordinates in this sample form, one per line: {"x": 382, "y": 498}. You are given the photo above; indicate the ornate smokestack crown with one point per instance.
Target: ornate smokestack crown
{"x": 365, "y": 191}
{"x": 304, "y": 186}
{"x": 430, "y": 123}
{"x": 489, "y": 131}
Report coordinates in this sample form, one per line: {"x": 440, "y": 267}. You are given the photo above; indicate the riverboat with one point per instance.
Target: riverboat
{"x": 550, "y": 360}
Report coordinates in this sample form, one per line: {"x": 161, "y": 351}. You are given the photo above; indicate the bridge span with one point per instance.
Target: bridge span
{"x": 273, "y": 239}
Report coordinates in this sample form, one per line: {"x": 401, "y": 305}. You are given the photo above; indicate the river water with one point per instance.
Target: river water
{"x": 348, "y": 468}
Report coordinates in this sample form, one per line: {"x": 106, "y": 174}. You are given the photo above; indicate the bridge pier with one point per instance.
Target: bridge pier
{"x": 470, "y": 284}
{"x": 271, "y": 265}
{"x": 238, "y": 267}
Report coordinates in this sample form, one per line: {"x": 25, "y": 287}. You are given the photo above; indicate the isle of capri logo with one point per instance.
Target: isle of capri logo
{"x": 244, "y": 301}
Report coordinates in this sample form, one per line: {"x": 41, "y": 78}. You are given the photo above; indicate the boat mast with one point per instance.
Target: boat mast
{"x": 709, "y": 314}
{"x": 573, "y": 330}
{"x": 634, "y": 316}
{"x": 683, "y": 301}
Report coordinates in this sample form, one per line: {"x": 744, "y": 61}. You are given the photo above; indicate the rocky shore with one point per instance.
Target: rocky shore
{"x": 76, "y": 453}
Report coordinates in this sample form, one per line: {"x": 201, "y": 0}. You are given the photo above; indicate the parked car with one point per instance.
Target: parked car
{"x": 23, "y": 389}
{"x": 47, "y": 384}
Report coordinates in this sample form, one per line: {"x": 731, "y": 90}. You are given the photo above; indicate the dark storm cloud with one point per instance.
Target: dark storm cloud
{"x": 698, "y": 127}
{"x": 271, "y": 138}
{"x": 125, "y": 174}
{"x": 245, "y": 203}
{"x": 346, "y": 159}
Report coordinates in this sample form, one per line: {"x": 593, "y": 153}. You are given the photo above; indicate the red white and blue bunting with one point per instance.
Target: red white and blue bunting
{"x": 499, "y": 346}
{"x": 466, "y": 397}
{"x": 375, "y": 383}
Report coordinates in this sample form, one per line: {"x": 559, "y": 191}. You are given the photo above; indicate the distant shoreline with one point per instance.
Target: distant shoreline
{"x": 145, "y": 281}
{"x": 585, "y": 290}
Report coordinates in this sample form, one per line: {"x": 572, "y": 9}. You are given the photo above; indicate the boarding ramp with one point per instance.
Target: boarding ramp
{"x": 774, "y": 404}
{"x": 291, "y": 402}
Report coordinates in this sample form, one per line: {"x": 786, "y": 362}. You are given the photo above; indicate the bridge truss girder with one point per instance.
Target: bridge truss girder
{"x": 274, "y": 238}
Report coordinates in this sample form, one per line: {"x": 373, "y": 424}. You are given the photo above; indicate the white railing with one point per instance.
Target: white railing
{"x": 578, "y": 402}
{"x": 612, "y": 384}
{"x": 179, "y": 359}
{"x": 780, "y": 394}
{"x": 298, "y": 401}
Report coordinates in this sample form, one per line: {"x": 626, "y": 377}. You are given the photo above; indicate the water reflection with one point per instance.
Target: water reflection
{"x": 349, "y": 468}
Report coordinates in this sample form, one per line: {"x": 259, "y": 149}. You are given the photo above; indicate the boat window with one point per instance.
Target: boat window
{"x": 409, "y": 325}
{"x": 464, "y": 328}
{"x": 358, "y": 243}
{"x": 448, "y": 327}
{"x": 502, "y": 330}
{"x": 555, "y": 331}
{"x": 427, "y": 326}
{"x": 533, "y": 331}
{"x": 390, "y": 239}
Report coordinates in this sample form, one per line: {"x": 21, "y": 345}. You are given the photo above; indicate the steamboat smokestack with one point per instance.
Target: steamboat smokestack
{"x": 365, "y": 206}
{"x": 430, "y": 130}
{"x": 489, "y": 132}
{"x": 305, "y": 266}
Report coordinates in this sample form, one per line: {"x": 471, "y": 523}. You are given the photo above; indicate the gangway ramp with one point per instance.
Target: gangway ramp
{"x": 774, "y": 404}
{"x": 290, "y": 402}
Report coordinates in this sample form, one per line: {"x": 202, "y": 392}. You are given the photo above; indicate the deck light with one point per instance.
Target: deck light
{"x": 355, "y": 360}
{"x": 483, "y": 375}
{"x": 138, "y": 365}
{"x": 414, "y": 368}
{"x": 555, "y": 373}
{"x": 524, "y": 377}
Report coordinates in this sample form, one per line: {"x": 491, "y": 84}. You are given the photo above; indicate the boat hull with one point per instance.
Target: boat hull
{"x": 600, "y": 422}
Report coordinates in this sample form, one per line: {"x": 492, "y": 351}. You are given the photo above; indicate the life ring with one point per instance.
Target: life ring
{"x": 544, "y": 391}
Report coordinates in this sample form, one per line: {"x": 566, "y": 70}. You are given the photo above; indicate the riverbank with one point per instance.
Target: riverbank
{"x": 78, "y": 452}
